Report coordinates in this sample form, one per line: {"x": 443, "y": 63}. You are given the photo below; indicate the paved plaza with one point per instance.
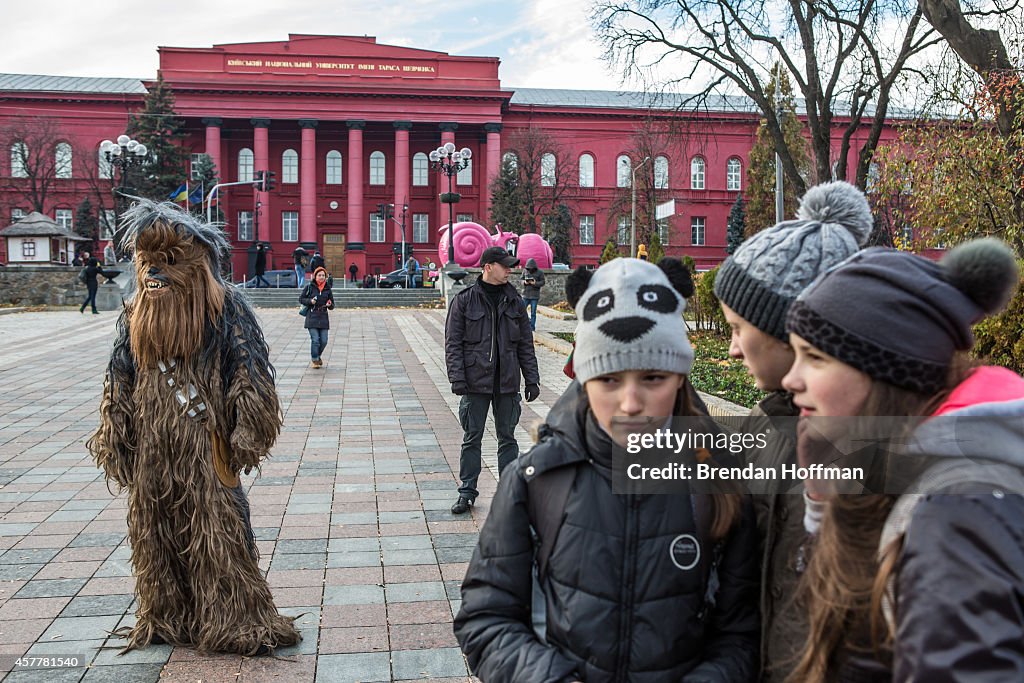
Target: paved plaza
{"x": 351, "y": 511}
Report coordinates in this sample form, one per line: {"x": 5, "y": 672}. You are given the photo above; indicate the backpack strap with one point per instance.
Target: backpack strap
{"x": 1002, "y": 478}
{"x": 548, "y": 494}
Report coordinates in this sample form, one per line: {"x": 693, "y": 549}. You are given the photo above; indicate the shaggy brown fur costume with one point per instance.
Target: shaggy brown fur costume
{"x": 188, "y": 402}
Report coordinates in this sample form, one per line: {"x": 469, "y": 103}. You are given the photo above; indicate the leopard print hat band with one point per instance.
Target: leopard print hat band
{"x": 900, "y": 318}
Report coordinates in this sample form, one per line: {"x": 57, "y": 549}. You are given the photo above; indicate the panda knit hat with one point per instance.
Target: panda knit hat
{"x": 900, "y": 318}
{"x": 630, "y": 316}
{"x": 763, "y": 278}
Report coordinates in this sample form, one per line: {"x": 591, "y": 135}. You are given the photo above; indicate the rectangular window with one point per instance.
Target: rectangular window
{"x": 465, "y": 176}
{"x": 623, "y": 233}
{"x": 64, "y": 218}
{"x": 103, "y": 167}
{"x": 420, "y": 169}
{"x": 245, "y": 226}
{"x": 28, "y": 248}
{"x": 107, "y": 224}
{"x": 290, "y": 226}
{"x": 463, "y": 217}
{"x": 420, "y": 227}
{"x": 195, "y": 166}
{"x": 586, "y": 229}
{"x": 697, "y": 231}
{"x": 377, "y": 228}
{"x": 663, "y": 231}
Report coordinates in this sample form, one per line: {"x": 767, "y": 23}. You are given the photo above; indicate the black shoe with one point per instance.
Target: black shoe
{"x": 462, "y": 506}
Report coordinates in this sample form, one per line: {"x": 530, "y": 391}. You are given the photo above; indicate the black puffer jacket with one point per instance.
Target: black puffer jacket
{"x": 617, "y": 607}
{"x": 317, "y": 317}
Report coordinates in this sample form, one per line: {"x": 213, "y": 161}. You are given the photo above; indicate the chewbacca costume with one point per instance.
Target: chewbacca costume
{"x": 188, "y": 402}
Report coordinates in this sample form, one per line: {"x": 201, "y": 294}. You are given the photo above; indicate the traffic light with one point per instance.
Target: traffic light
{"x": 385, "y": 211}
{"x": 268, "y": 181}
{"x": 257, "y": 181}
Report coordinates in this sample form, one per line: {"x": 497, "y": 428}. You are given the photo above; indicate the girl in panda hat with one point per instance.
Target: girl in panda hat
{"x": 927, "y": 585}
{"x": 573, "y": 582}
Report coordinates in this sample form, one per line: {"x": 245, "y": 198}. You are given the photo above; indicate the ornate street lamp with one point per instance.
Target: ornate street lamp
{"x": 122, "y": 154}
{"x": 446, "y": 160}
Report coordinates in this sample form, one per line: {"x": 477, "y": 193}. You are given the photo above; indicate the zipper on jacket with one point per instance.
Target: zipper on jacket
{"x": 628, "y": 579}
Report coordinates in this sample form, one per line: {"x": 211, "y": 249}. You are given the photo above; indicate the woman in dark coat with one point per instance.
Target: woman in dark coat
{"x": 317, "y": 296}
{"x": 629, "y": 587}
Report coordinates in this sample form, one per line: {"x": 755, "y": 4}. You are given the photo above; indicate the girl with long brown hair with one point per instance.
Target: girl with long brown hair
{"x": 901, "y": 586}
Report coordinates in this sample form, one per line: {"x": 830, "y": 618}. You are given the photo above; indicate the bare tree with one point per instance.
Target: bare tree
{"x": 545, "y": 174}
{"x": 35, "y": 165}
{"x": 845, "y": 57}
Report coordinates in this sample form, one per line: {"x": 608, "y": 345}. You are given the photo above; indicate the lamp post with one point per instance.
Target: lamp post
{"x": 123, "y": 154}
{"x": 446, "y": 160}
{"x": 778, "y": 158}
{"x": 632, "y": 217}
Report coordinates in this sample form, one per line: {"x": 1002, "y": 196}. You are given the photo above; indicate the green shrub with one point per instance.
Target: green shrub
{"x": 714, "y": 372}
{"x": 999, "y": 339}
{"x": 707, "y": 313}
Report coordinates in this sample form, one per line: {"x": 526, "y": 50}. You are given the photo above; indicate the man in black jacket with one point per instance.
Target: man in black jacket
{"x": 261, "y": 266}
{"x": 92, "y": 270}
{"x": 488, "y": 343}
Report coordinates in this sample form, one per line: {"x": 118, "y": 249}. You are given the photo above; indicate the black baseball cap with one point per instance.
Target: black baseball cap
{"x": 498, "y": 255}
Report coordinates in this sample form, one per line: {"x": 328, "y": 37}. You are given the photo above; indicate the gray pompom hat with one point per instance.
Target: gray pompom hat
{"x": 900, "y": 318}
{"x": 768, "y": 271}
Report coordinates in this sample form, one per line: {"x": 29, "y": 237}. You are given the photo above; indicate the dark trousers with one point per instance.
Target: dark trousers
{"x": 317, "y": 341}
{"x": 473, "y": 416}
{"x": 259, "y": 279}
{"x": 91, "y": 298}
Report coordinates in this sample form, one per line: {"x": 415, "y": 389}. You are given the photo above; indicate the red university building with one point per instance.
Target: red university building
{"x": 347, "y": 124}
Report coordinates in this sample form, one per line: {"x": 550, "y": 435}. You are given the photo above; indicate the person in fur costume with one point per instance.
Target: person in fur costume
{"x": 188, "y": 403}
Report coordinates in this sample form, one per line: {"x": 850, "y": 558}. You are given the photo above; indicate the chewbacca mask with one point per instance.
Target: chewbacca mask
{"x": 188, "y": 403}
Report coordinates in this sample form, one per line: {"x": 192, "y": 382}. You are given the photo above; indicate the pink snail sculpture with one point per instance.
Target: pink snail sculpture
{"x": 472, "y": 238}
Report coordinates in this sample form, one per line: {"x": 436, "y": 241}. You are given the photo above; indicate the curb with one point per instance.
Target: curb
{"x": 549, "y": 312}
{"x": 8, "y": 311}
{"x": 554, "y": 343}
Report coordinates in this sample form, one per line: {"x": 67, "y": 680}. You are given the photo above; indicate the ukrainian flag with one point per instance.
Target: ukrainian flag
{"x": 196, "y": 195}
{"x": 179, "y": 195}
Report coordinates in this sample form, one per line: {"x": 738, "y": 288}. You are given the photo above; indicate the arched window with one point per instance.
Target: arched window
{"x": 420, "y": 170}
{"x": 290, "y": 166}
{"x": 245, "y": 163}
{"x": 660, "y": 172}
{"x": 377, "y": 176}
{"x": 62, "y": 158}
{"x": 733, "y": 174}
{"x": 19, "y": 160}
{"x": 103, "y": 167}
{"x": 586, "y": 170}
{"x": 334, "y": 167}
{"x": 547, "y": 170}
{"x": 510, "y": 160}
{"x": 623, "y": 171}
{"x": 697, "y": 169}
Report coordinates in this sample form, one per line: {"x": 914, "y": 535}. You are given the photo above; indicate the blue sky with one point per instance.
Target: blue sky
{"x": 541, "y": 43}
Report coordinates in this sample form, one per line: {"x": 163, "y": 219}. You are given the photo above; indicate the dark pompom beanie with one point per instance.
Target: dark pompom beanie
{"x": 765, "y": 275}
{"x": 900, "y": 318}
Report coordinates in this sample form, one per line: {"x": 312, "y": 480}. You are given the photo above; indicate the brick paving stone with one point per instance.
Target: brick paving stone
{"x": 354, "y": 639}
{"x": 350, "y": 512}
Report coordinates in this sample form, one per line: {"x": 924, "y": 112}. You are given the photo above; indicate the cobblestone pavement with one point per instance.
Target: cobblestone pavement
{"x": 351, "y": 510}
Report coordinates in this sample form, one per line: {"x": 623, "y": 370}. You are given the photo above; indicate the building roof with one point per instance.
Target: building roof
{"x": 38, "y": 225}
{"x": 623, "y": 99}
{"x": 36, "y": 83}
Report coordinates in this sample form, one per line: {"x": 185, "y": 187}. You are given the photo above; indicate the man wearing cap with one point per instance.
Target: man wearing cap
{"x": 488, "y": 344}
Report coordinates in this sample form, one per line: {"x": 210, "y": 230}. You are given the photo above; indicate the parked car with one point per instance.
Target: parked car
{"x": 276, "y": 278}
{"x": 395, "y": 278}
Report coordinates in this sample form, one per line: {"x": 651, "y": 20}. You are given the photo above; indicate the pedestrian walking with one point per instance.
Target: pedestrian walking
{"x": 924, "y": 586}
{"x": 488, "y": 347}
{"x": 316, "y": 262}
{"x": 261, "y": 265}
{"x": 412, "y": 271}
{"x": 317, "y": 295}
{"x": 92, "y": 271}
{"x": 533, "y": 280}
{"x": 756, "y": 286}
{"x": 571, "y": 581}
{"x": 300, "y": 256}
